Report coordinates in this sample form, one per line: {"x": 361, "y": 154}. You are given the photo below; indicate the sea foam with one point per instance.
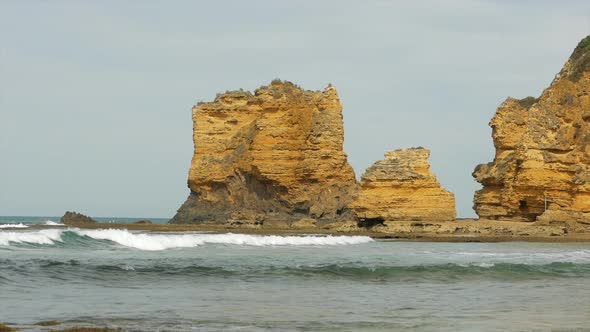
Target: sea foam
{"x": 149, "y": 241}
{"x": 52, "y": 223}
{"x": 527, "y": 257}
{"x": 144, "y": 241}
{"x": 20, "y": 225}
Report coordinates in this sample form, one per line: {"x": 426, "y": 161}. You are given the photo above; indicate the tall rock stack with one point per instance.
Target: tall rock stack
{"x": 541, "y": 166}
{"x": 274, "y": 154}
{"x": 401, "y": 187}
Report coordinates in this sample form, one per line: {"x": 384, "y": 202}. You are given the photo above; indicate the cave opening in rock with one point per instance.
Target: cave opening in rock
{"x": 529, "y": 210}
{"x": 370, "y": 222}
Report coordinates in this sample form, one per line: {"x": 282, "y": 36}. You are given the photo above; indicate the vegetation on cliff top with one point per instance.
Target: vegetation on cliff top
{"x": 527, "y": 102}
{"x": 580, "y": 59}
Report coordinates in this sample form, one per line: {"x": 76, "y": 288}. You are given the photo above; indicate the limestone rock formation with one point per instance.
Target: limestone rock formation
{"x": 272, "y": 154}
{"x": 541, "y": 166}
{"x": 401, "y": 187}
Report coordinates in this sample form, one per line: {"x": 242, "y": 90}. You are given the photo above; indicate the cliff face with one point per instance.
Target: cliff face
{"x": 275, "y": 154}
{"x": 541, "y": 167}
{"x": 401, "y": 187}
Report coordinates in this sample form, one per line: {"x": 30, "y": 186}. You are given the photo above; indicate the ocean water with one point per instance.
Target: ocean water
{"x": 190, "y": 281}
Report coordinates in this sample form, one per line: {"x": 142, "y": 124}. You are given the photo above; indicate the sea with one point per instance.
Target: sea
{"x": 191, "y": 281}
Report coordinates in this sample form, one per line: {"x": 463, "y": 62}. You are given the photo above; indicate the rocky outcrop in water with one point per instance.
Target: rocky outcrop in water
{"x": 541, "y": 166}
{"x": 401, "y": 187}
{"x": 275, "y": 154}
{"x": 70, "y": 218}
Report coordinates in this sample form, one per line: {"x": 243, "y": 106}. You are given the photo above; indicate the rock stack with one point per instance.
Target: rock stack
{"x": 272, "y": 154}
{"x": 401, "y": 187}
{"x": 541, "y": 166}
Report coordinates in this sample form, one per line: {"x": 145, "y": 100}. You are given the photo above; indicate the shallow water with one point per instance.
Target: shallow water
{"x": 216, "y": 282}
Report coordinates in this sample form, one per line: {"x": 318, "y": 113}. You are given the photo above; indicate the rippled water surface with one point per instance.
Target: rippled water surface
{"x": 215, "y": 282}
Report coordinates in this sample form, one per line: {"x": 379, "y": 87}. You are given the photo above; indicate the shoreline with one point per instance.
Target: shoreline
{"x": 462, "y": 230}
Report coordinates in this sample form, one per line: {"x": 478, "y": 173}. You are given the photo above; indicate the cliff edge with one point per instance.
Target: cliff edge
{"x": 541, "y": 166}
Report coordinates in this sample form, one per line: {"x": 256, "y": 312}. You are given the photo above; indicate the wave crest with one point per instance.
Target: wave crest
{"x": 19, "y": 225}
{"x": 154, "y": 242}
{"x": 52, "y": 223}
{"x": 145, "y": 241}
{"x": 45, "y": 236}
{"x": 414, "y": 273}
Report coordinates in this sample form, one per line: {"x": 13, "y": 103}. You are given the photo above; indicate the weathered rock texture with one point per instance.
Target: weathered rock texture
{"x": 401, "y": 187}
{"x": 275, "y": 154}
{"x": 541, "y": 166}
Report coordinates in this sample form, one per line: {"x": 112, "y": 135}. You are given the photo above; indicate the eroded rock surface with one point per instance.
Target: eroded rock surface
{"x": 401, "y": 187}
{"x": 541, "y": 166}
{"x": 272, "y": 154}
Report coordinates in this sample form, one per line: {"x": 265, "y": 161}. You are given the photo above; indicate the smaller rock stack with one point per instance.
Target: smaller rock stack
{"x": 401, "y": 187}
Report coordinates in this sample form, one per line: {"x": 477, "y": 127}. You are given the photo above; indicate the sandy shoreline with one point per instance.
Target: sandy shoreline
{"x": 466, "y": 230}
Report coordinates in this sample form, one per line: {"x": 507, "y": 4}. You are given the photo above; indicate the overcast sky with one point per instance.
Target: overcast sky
{"x": 96, "y": 97}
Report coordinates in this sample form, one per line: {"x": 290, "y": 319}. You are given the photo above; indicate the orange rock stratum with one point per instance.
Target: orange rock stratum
{"x": 541, "y": 167}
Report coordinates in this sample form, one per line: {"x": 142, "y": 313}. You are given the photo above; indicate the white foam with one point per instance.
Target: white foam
{"x": 128, "y": 267}
{"x": 484, "y": 265}
{"x": 20, "y": 225}
{"x": 550, "y": 255}
{"x": 145, "y": 241}
{"x": 45, "y": 236}
{"x": 53, "y": 223}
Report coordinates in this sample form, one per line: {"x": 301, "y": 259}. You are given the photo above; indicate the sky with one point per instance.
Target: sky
{"x": 96, "y": 96}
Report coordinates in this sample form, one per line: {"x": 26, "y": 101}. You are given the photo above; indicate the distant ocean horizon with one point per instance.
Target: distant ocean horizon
{"x": 29, "y": 220}
{"x": 198, "y": 281}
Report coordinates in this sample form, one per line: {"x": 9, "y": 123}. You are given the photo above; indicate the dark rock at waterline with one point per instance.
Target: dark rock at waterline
{"x": 5, "y": 328}
{"x": 144, "y": 222}
{"x": 71, "y": 217}
{"x": 48, "y": 323}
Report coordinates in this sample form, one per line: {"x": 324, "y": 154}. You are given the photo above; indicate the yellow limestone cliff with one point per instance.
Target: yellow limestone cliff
{"x": 541, "y": 166}
{"x": 272, "y": 154}
{"x": 401, "y": 187}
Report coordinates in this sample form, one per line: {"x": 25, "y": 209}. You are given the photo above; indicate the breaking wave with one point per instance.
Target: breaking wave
{"x": 45, "y": 236}
{"x": 52, "y": 223}
{"x": 155, "y": 241}
{"x": 27, "y": 224}
{"x": 19, "y": 225}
